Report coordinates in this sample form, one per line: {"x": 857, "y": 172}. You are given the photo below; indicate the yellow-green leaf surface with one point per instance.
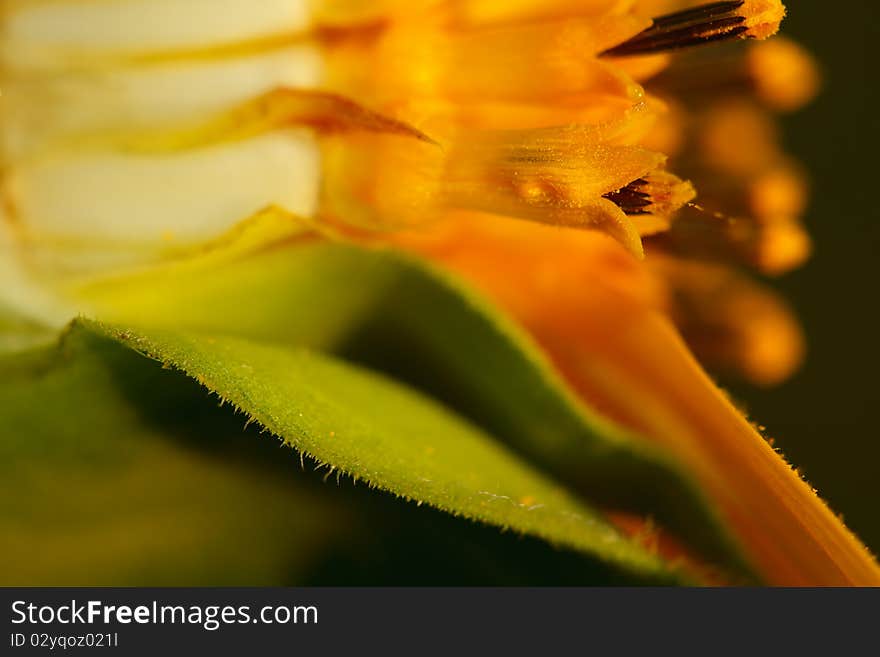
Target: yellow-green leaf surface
{"x": 419, "y": 326}
{"x": 18, "y": 332}
{"x": 117, "y": 475}
{"x": 117, "y": 471}
{"x": 366, "y": 426}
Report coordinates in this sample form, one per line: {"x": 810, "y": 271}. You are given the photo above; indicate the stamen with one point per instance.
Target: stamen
{"x": 709, "y": 23}
{"x": 659, "y": 193}
{"x": 778, "y": 72}
{"x": 773, "y": 246}
{"x": 631, "y": 199}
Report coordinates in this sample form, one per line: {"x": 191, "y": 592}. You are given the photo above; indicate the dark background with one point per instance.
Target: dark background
{"x": 826, "y": 418}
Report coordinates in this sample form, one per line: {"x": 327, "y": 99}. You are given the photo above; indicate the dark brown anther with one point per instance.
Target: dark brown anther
{"x": 631, "y": 199}
{"x": 717, "y": 21}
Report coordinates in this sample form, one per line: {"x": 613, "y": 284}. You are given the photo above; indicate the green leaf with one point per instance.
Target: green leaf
{"x": 118, "y": 471}
{"x": 366, "y": 426}
{"x": 105, "y": 480}
{"x": 402, "y": 317}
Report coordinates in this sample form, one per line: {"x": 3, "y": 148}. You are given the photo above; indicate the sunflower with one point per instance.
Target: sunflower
{"x": 606, "y": 171}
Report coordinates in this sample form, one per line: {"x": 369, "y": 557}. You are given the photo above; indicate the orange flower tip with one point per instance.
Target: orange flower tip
{"x": 713, "y": 22}
{"x": 785, "y": 75}
{"x": 783, "y": 248}
{"x": 763, "y": 341}
{"x": 780, "y": 192}
{"x": 771, "y": 353}
{"x": 732, "y": 323}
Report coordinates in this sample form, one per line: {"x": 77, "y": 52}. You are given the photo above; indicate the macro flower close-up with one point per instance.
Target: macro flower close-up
{"x": 337, "y": 292}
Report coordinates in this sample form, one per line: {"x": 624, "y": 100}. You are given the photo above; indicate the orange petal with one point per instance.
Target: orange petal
{"x": 597, "y": 313}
